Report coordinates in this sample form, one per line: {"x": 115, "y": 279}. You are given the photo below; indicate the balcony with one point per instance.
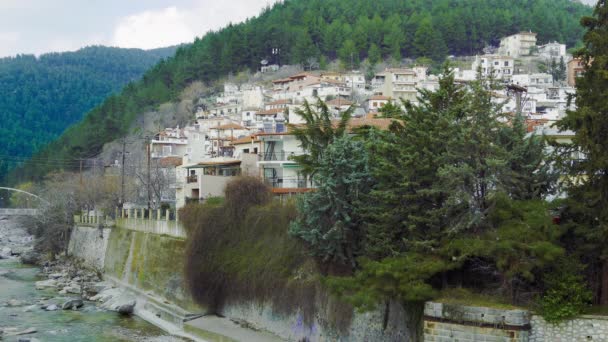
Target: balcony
{"x": 192, "y": 179}
{"x": 278, "y": 156}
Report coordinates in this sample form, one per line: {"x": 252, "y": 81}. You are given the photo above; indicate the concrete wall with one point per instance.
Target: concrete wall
{"x": 446, "y": 323}
{"x": 89, "y": 244}
{"x": 149, "y": 262}
{"x": 368, "y": 326}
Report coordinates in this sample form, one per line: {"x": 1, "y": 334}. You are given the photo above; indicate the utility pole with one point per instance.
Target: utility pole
{"x": 148, "y": 155}
{"x": 122, "y": 175}
{"x": 80, "y": 172}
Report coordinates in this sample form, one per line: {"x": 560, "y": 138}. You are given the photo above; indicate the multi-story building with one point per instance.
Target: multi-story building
{"x": 576, "y": 68}
{"x": 553, "y": 50}
{"x": 517, "y": 45}
{"x": 208, "y": 178}
{"x": 501, "y": 67}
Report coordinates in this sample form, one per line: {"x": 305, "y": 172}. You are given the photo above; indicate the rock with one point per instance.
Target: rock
{"x": 29, "y": 308}
{"x": 23, "y": 332}
{"x": 51, "y": 307}
{"x": 72, "y": 304}
{"x": 29, "y": 339}
{"x": 126, "y": 309}
{"x": 56, "y": 275}
{"x": 30, "y": 257}
{"x": 45, "y": 284}
{"x": 5, "y": 253}
{"x": 75, "y": 289}
{"x": 14, "y": 302}
{"x": 62, "y": 292}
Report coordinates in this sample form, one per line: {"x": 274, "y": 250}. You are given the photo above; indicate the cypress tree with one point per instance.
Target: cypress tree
{"x": 588, "y": 177}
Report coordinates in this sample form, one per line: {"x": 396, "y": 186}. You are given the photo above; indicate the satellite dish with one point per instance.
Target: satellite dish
{"x": 264, "y": 62}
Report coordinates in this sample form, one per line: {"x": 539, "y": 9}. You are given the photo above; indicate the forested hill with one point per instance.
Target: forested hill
{"x": 324, "y": 29}
{"x": 41, "y": 97}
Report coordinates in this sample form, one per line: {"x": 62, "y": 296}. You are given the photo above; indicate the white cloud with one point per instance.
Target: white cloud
{"x": 152, "y": 29}
{"x": 175, "y": 25}
{"x": 9, "y": 37}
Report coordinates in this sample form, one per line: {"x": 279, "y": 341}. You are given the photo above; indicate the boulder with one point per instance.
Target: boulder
{"x": 5, "y": 253}
{"x": 126, "y": 308}
{"x": 72, "y": 304}
{"x": 75, "y": 289}
{"x": 26, "y": 331}
{"x": 14, "y": 303}
{"x": 46, "y": 284}
{"x": 56, "y": 275}
{"x": 30, "y": 257}
{"x": 51, "y": 307}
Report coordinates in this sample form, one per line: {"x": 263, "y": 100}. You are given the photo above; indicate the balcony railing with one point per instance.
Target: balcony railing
{"x": 192, "y": 179}
{"x": 286, "y": 183}
{"x": 277, "y": 156}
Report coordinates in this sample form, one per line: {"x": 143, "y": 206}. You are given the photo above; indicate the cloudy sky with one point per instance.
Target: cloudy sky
{"x": 38, "y": 26}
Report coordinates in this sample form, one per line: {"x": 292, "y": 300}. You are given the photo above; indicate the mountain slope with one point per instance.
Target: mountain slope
{"x": 315, "y": 29}
{"x": 41, "y": 97}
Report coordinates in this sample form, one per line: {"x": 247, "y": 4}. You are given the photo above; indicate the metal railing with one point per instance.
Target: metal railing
{"x": 278, "y": 156}
{"x": 286, "y": 183}
{"x": 192, "y": 179}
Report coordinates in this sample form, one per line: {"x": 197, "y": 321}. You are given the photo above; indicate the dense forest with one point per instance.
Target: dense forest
{"x": 41, "y": 96}
{"x": 321, "y": 29}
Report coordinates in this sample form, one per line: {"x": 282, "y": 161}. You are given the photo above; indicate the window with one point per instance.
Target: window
{"x": 189, "y": 150}
{"x": 496, "y": 63}
{"x": 506, "y": 63}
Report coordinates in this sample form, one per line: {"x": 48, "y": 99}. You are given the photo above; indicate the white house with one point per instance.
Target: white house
{"x": 553, "y": 50}
{"x": 208, "y": 178}
{"x": 499, "y": 66}
{"x": 517, "y": 45}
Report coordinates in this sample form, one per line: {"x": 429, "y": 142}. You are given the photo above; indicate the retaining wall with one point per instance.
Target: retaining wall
{"x": 448, "y": 323}
{"x": 90, "y": 244}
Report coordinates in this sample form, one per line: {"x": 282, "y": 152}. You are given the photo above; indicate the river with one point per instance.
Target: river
{"x": 20, "y": 307}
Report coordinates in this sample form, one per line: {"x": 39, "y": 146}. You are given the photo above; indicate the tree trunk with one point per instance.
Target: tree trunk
{"x": 604, "y": 284}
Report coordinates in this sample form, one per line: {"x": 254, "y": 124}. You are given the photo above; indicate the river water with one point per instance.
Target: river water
{"x": 20, "y": 310}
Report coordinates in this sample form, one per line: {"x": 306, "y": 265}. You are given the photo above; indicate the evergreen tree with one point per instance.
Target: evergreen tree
{"x": 329, "y": 220}
{"x": 348, "y": 54}
{"x": 587, "y": 214}
{"x": 374, "y": 56}
{"x": 318, "y": 132}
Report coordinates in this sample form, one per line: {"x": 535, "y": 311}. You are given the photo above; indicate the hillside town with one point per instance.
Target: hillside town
{"x": 246, "y": 130}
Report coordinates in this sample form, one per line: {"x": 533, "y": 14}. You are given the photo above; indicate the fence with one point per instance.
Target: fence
{"x": 18, "y": 212}
{"x": 154, "y": 221}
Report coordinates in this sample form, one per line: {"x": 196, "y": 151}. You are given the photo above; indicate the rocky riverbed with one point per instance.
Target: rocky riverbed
{"x": 59, "y": 300}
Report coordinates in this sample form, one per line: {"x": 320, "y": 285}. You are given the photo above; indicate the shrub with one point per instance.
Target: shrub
{"x": 239, "y": 251}
{"x": 567, "y": 295}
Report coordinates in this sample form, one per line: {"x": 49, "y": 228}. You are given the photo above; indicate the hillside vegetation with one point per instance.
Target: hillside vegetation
{"x": 315, "y": 30}
{"x": 41, "y": 97}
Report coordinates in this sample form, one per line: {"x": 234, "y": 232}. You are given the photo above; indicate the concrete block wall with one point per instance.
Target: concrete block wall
{"x": 457, "y": 323}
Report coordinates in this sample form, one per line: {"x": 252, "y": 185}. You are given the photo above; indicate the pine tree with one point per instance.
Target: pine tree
{"x": 349, "y": 56}
{"x": 374, "y": 56}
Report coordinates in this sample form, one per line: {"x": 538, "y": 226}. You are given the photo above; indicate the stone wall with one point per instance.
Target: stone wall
{"x": 89, "y": 244}
{"x": 584, "y": 328}
{"x": 447, "y": 323}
